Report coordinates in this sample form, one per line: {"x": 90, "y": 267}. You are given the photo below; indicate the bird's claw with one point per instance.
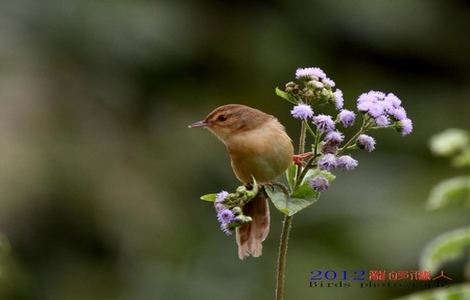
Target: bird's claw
{"x": 298, "y": 159}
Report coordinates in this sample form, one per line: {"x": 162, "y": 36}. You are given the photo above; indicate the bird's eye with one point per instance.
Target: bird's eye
{"x": 221, "y": 118}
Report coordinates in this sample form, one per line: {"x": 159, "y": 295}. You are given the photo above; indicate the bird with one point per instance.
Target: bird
{"x": 259, "y": 148}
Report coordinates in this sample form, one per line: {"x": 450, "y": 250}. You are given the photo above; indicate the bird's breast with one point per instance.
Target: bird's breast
{"x": 264, "y": 153}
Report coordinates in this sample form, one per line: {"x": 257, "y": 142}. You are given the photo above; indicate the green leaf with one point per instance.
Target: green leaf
{"x": 445, "y": 248}
{"x": 290, "y": 175}
{"x": 454, "y": 292}
{"x": 278, "y": 198}
{"x": 449, "y": 141}
{"x": 462, "y": 159}
{"x": 302, "y": 197}
{"x": 317, "y": 172}
{"x": 285, "y": 96}
{"x": 450, "y": 191}
{"x": 209, "y": 197}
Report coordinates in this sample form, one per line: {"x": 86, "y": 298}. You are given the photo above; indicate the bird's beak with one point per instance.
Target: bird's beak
{"x": 198, "y": 124}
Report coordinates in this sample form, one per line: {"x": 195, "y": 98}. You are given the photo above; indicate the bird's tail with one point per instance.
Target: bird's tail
{"x": 251, "y": 235}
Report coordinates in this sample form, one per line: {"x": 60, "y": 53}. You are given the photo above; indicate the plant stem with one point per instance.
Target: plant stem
{"x": 286, "y": 226}
{"x": 303, "y": 131}
{"x": 281, "y": 260}
{"x": 365, "y": 125}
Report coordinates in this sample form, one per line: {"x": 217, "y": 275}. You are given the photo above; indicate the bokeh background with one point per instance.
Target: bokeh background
{"x": 100, "y": 177}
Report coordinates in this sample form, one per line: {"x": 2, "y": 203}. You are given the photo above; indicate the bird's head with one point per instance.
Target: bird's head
{"x": 229, "y": 120}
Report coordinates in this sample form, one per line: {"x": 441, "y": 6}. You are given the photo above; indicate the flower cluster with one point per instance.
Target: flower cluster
{"x": 330, "y": 161}
{"x": 316, "y": 87}
{"x": 310, "y": 92}
{"x": 384, "y": 109}
{"x": 229, "y": 208}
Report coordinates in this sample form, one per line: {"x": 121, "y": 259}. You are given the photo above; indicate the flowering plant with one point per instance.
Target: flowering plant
{"x": 314, "y": 164}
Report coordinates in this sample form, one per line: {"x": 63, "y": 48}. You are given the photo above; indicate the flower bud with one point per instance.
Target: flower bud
{"x": 241, "y": 189}
{"x": 236, "y": 210}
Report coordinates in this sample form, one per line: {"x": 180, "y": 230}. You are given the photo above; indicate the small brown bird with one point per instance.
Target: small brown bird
{"x": 258, "y": 146}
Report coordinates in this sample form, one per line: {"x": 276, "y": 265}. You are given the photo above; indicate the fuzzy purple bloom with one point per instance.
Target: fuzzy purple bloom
{"x": 327, "y": 162}
{"x": 339, "y": 100}
{"x": 319, "y": 183}
{"x": 398, "y": 113}
{"x": 383, "y": 108}
{"x": 334, "y": 137}
{"x": 225, "y": 216}
{"x": 347, "y": 117}
{"x": 405, "y": 126}
{"x": 308, "y": 73}
{"x": 366, "y": 142}
{"x": 302, "y": 111}
{"x": 364, "y": 106}
{"x": 382, "y": 121}
{"x": 220, "y": 197}
{"x": 376, "y": 109}
{"x": 328, "y": 82}
{"x": 346, "y": 162}
{"x": 366, "y": 97}
{"x": 371, "y": 103}
{"x": 219, "y": 206}
{"x": 225, "y": 228}
{"x": 324, "y": 123}
{"x": 393, "y": 100}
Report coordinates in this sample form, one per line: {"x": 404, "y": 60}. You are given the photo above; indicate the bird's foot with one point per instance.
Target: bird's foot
{"x": 298, "y": 159}
{"x": 249, "y": 186}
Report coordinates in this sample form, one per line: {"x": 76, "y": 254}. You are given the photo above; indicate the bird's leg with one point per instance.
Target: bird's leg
{"x": 298, "y": 159}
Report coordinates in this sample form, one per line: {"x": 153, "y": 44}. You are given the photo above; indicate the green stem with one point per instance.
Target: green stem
{"x": 281, "y": 260}
{"x": 303, "y": 131}
{"x": 310, "y": 130}
{"x": 286, "y": 226}
{"x": 364, "y": 127}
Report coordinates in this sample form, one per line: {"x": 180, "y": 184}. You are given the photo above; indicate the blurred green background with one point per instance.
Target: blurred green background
{"x": 100, "y": 177}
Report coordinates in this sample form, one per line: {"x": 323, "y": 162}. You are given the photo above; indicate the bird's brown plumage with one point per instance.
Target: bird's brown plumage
{"x": 258, "y": 147}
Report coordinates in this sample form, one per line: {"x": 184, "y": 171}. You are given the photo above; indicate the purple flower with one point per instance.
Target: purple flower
{"x": 319, "y": 183}
{"x": 302, "y": 111}
{"x": 384, "y": 108}
{"x": 371, "y": 103}
{"x": 308, "y": 73}
{"x": 339, "y": 100}
{"x": 324, "y": 123}
{"x": 366, "y": 97}
{"x": 405, "y": 126}
{"x": 327, "y": 162}
{"x": 220, "y": 197}
{"x": 346, "y": 117}
{"x": 366, "y": 142}
{"x": 346, "y": 162}
{"x": 225, "y": 216}
{"x": 376, "y": 109}
{"x": 393, "y": 100}
{"x": 364, "y": 106}
{"x": 382, "y": 121}
{"x": 225, "y": 228}
{"x": 334, "y": 137}
{"x": 398, "y": 113}
{"x": 328, "y": 82}
{"x": 219, "y": 206}
{"x": 380, "y": 106}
